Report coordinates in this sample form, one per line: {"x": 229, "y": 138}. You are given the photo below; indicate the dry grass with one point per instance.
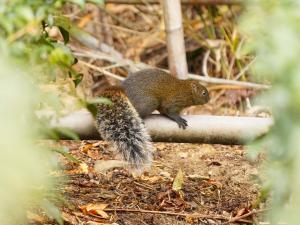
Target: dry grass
{"x": 214, "y": 45}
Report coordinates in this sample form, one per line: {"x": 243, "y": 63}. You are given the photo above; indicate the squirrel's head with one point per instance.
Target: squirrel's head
{"x": 200, "y": 93}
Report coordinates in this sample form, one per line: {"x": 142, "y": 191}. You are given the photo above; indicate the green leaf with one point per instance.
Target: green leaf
{"x": 75, "y": 61}
{"x": 100, "y": 100}
{"x": 66, "y": 132}
{"x": 78, "y": 79}
{"x": 96, "y": 1}
{"x": 92, "y": 108}
{"x": 61, "y": 56}
{"x": 62, "y": 21}
{"x": 64, "y": 151}
{"x": 78, "y": 2}
{"x": 25, "y": 12}
{"x": 178, "y": 181}
{"x": 65, "y": 34}
{"x": 50, "y": 133}
{"x": 50, "y": 20}
{"x": 91, "y": 105}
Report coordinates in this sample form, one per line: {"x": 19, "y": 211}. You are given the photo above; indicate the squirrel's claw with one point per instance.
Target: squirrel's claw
{"x": 182, "y": 123}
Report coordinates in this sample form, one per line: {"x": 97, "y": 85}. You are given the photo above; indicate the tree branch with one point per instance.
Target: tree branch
{"x": 201, "y": 129}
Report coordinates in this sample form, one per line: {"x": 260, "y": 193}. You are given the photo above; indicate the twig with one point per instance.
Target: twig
{"x": 192, "y": 2}
{"x": 92, "y": 42}
{"x": 237, "y": 218}
{"x": 103, "y": 56}
{"x": 268, "y": 223}
{"x": 213, "y": 80}
{"x": 116, "y": 27}
{"x": 225, "y": 86}
{"x": 99, "y": 69}
{"x": 116, "y": 65}
{"x": 166, "y": 213}
{"x": 194, "y": 215}
{"x": 204, "y": 63}
{"x": 136, "y": 66}
{"x": 144, "y": 186}
{"x": 244, "y": 70}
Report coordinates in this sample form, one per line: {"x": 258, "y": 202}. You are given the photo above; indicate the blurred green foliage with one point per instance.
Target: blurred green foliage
{"x": 24, "y": 168}
{"x": 274, "y": 27}
{"x": 29, "y": 59}
{"x": 23, "y": 25}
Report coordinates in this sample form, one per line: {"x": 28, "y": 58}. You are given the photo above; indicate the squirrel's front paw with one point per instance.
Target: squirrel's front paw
{"x": 182, "y": 123}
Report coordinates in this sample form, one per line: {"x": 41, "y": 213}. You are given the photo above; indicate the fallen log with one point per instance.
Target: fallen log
{"x": 201, "y": 129}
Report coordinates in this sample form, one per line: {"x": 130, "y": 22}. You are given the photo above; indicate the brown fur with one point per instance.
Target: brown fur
{"x": 154, "y": 89}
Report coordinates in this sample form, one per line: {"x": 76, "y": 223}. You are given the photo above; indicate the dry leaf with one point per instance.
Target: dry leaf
{"x": 95, "y": 209}
{"x": 102, "y": 166}
{"x": 197, "y": 177}
{"x": 93, "y": 153}
{"x": 96, "y": 223}
{"x": 96, "y": 144}
{"x": 84, "y": 168}
{"x": 152, "y": 179}
{"x": 183, "y": 155}
{"x": 242, "y": 211}
{"x": 214, "y": 182}
{"x": 69, "y": 218}
{"x": 178, "y": 181}
{"x": 191, "y": 219}
{"x": 86, "y": 147}
{"x": 35, "y": 217}
{"x": 165, "y": 174}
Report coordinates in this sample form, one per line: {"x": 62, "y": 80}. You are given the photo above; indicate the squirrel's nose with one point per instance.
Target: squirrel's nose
{"x": 207, "y": 97}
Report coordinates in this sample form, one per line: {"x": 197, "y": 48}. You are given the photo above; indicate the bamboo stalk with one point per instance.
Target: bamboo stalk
{"x": 175, "y": 38}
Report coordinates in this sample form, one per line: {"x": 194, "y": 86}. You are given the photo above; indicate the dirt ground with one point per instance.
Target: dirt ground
{"x": 217, "y": 185}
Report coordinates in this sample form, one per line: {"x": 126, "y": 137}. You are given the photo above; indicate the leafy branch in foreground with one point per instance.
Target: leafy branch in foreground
{"x": 30, "y": 60}
{"x": 274, "y": 31}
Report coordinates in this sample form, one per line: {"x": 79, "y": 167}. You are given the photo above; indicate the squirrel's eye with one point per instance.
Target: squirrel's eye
{"x": 204, "y": 93}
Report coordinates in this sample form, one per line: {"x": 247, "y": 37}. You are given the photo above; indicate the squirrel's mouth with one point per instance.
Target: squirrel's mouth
{"x": 207, "y": 98}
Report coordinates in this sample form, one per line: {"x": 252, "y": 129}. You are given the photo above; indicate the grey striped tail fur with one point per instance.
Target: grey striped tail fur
{"x": 121, "y": 125}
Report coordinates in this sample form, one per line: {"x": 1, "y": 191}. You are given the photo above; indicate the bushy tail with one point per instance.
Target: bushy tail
{"x": 121, "y": 125}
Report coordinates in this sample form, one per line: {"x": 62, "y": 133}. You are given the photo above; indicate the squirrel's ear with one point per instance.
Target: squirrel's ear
{"x": 194, "y": 86}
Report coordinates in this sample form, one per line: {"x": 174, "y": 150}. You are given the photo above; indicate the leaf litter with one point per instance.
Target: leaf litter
{"x": 210, "y": 184}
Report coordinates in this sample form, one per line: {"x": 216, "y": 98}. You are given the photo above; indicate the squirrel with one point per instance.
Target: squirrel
{"x": 138, "y": 96}
{"x": 154, "y": 89}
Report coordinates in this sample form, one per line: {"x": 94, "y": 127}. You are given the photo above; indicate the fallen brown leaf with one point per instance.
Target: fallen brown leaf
{"x": 35, "y": 217}
{"x": 95, "y": 209}
{"x": 152, "y": 179}
{"x": 86, "y": 147}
